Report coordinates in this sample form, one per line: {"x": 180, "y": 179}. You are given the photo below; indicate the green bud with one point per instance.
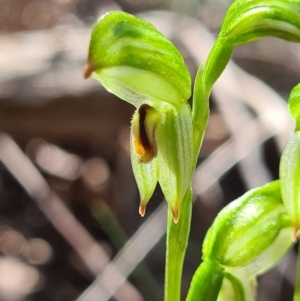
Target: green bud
{"x": 133, "y": 60}
{"x": 250, "y": 20}
{"x": 246, "y": 21}
{"x": 253, "y": 232}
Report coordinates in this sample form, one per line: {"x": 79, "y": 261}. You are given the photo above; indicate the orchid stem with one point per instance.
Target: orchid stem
{"x": 177, "y": 241}
{"x": 297, "y": 284}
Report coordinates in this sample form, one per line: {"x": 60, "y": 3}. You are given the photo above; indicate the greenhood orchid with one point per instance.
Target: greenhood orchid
{"x": 134, "y": 61}
{"x": 248, "y": 237}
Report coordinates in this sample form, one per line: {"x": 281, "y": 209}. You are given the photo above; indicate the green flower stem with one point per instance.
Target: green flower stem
{"x": 206, "y": 282}
{"x": 297, "y": 285}
{"x": 207, "y": 75}
{"x": 200, "y": 112}
{"x": 216, "y": 62}
{"x": 177, "y": 241}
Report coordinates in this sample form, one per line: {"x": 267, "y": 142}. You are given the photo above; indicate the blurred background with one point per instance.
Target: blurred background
{"x": 68, "y": 199}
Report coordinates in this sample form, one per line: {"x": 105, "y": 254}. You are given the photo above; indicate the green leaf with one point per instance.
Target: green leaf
{"x": 248, "y": 229}
{"x": 133, "y": 60}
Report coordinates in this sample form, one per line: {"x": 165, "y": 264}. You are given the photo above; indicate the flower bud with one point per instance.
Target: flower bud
{"x": 253, "y": 232}
{"x": 249, "y": 20}
{"x": 246, "y": 21}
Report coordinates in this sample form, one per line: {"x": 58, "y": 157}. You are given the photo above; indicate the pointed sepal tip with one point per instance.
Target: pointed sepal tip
{"x": 88, "y": 70}
{"x": 142, "y": 210}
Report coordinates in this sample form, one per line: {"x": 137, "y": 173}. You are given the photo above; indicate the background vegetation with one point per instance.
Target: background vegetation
{"x": 66, "y": 213}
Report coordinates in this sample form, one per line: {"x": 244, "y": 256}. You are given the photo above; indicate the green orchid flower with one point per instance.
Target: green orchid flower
{"x": 248, "y": 237}
{"x": 249, "y": 20}
{"x": 134, "y": 61}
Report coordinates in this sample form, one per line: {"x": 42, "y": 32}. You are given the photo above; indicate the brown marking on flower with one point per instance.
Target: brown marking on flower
{"x": 175, "y": 214}
{"x": 144, "y": 135}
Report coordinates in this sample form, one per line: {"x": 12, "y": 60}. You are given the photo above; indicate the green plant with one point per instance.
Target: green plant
{"x": 133, "y": 60}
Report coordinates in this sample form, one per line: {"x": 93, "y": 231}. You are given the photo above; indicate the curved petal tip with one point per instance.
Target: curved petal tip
{"x": 88, "y": 70}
